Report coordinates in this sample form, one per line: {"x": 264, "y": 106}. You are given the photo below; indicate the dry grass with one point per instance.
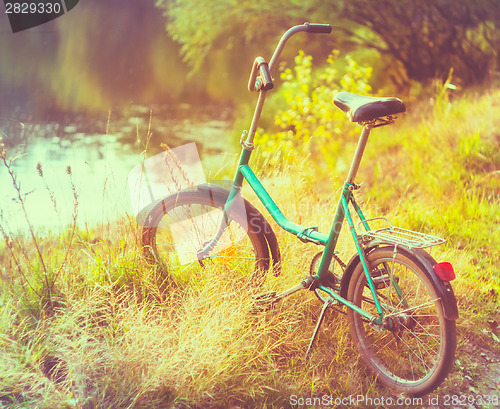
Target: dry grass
{"x": 120, "y": 334}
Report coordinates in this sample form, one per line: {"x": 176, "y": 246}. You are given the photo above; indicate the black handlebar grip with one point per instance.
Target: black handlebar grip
{"x": 265, "y": 75}
{"x": 319, "y": 28}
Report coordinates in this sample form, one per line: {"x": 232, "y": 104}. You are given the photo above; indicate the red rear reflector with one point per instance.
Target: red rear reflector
{"x": 445, "y": 271}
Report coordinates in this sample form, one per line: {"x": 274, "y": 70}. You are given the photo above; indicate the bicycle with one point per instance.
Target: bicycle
{"x": 400, "y": 304}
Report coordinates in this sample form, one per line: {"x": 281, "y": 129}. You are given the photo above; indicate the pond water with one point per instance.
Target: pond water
{"x": 100, "y": 152}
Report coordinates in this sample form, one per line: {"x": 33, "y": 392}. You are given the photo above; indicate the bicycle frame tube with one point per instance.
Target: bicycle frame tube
{"x": 306, "y": 234}
{"x": 342, "y": 208}
{"x": 356, "y": 160}
{"x": 248, "y": 144}
{"x": 360, "y": 213}
{"x": 349, "y": 304}
{"x": 331, "y": 243}
{"x": 245, "y": 172}
{"x": 343, "y": 211}
{"x": 361, "y": 255}
{"x": 278, "y": 216}
{"x": 272, "y": 65}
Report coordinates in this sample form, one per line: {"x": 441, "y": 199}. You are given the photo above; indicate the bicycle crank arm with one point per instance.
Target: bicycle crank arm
{"x": 294, "y": 289}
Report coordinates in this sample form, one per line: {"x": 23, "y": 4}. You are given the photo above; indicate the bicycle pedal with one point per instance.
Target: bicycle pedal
{"x": 263, "y": 302}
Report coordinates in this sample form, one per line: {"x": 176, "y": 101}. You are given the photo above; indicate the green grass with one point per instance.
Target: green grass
{"x": 114, "y": 332}
{"x": 445, "y": 177}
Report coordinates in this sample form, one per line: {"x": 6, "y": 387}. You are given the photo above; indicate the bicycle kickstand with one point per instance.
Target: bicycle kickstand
{"x": 327, "y": 303}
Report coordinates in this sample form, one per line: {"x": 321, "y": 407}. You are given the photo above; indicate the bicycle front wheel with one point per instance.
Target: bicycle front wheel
{"x": 180, "y": 226}
{"x": 415, "y": 351}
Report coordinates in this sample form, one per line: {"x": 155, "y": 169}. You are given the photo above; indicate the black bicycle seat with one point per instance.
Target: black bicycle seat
{"x": 360, "y": 108}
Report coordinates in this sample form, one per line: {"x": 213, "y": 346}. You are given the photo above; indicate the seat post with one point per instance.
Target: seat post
{"x": 356, "y": 160}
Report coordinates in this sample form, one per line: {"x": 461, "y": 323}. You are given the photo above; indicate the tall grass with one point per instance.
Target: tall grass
{"x": 120, "y": 334}
{"x": 442, "y": 174}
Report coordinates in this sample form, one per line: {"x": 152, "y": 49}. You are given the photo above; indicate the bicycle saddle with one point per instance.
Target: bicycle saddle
{"x": 360, "y": 108}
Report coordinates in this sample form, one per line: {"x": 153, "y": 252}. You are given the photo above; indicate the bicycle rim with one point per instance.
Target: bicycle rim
{"x": 182, "y": 224}
{"x": 415, "y": 355}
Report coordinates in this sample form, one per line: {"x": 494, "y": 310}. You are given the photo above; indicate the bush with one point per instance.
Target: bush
{"x": 310, "y": 124}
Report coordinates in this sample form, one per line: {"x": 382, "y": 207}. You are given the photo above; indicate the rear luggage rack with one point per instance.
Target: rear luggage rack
{"x": 398, "y": 236}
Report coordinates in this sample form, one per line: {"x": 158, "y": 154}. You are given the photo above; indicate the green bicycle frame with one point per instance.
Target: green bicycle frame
{"x": 310, "y": 234}
{"x": 306, "y": 234}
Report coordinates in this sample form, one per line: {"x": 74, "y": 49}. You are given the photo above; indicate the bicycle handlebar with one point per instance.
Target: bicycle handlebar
{"x": 264, "y": 81}
{"x": 318, "y": 28}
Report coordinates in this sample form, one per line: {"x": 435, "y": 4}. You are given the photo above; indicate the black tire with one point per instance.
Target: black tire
{"x": 416, "y": 354}
{"x": 241, "y": 253}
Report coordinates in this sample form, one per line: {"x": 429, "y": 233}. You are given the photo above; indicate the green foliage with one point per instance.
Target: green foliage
{"x": 426, "y": 38}
{"x": 443, "y": 177}
{"x": 310, "y": 123}
{"x": 229, "y": 25}
{"x": 429, "y": 37}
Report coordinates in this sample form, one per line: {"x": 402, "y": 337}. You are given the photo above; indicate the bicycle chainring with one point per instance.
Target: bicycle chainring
{"x": 332, "y": 280}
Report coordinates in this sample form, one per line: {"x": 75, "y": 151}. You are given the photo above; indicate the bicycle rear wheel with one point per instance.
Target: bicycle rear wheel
{"x": 179, "y": 226}
{"x": 416, "y": 351}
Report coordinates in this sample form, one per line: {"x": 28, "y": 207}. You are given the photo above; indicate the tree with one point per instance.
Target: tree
{"x": 228, "y": 24}
{"x": 427, "y": 37}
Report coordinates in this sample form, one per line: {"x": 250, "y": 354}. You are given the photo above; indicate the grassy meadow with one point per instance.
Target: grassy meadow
{"x": 85, "y": 322}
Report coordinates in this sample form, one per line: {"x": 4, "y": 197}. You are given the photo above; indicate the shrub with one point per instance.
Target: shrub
{"x": 310, "y": 124}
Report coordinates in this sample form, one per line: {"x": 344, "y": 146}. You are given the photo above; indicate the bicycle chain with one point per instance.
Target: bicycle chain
{"x": 341, "y": 263}
{"x": 335, "y": 257}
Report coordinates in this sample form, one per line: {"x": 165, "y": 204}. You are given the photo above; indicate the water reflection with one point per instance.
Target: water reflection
{"x": 100, "y": 163}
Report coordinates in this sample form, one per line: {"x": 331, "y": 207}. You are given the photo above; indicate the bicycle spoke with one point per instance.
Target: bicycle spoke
{"x": 185, "y": 223}
{"x": 412, "y": 309}
{"x": 406, "y": 347}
